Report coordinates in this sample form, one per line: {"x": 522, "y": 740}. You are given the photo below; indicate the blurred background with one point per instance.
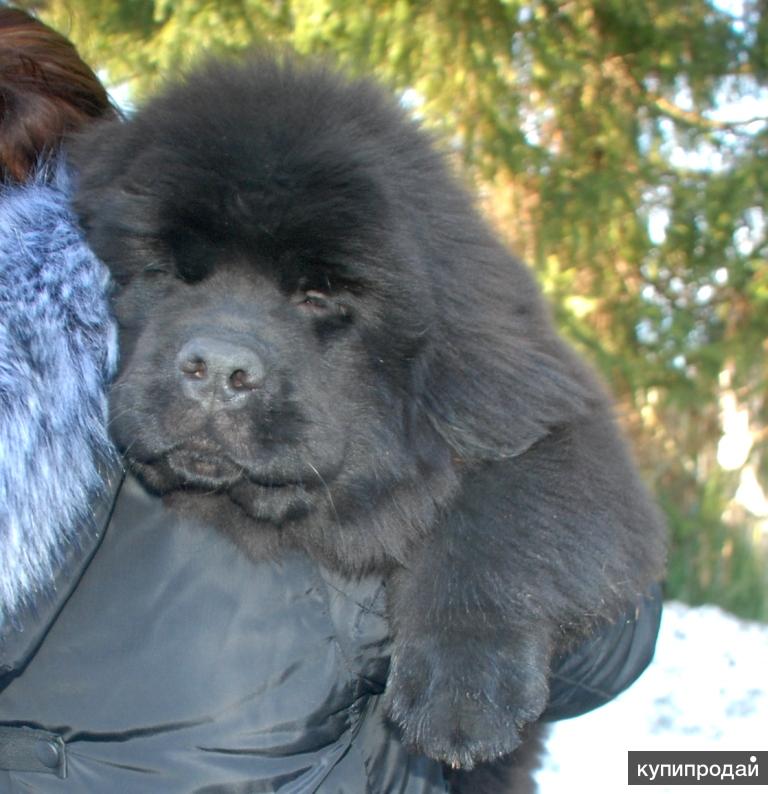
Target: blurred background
{"x": 621, "y": 148}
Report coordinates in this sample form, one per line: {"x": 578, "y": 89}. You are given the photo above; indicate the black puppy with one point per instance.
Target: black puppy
{"x": 324, "y": 347}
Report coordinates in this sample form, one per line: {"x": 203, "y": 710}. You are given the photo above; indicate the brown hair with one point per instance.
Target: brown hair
{"x": 46, "y": 91}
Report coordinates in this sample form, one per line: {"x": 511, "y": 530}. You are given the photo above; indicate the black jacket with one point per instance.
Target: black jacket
{"x": 141, "y": 652}
{"x": 177, "y": 665}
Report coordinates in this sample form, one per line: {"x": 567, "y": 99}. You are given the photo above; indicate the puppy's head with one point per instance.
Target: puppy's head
{"x": 314, "y": 323}
{"x": 272, "y": 310}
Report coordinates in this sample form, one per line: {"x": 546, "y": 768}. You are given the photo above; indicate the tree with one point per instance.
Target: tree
{"x": 595, "y": 133}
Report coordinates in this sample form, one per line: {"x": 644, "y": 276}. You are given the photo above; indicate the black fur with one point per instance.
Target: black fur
{"x": 415, "y": 412}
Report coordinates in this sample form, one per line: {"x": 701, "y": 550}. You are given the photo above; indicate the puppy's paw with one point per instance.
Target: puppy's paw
{"x": 465, "y": 707}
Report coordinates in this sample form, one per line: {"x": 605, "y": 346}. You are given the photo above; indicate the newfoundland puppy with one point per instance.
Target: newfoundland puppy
{"x": 325, "y": 348}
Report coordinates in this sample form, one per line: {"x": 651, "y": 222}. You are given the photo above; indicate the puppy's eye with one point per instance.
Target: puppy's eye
{"x": 312, "y": 300}
{"x": 154, "y": 269}
{"x": 321, "y": 306}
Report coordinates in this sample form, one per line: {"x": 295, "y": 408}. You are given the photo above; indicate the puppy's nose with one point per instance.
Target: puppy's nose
{"x": 217, "y": 372}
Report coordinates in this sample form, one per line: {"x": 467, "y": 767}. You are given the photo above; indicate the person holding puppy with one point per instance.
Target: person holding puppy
{"x": 140, "y": 651}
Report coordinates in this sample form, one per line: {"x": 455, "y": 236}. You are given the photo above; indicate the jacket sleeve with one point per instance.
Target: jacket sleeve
{"x": 606, "y": 663}
{"x": 21, "y": 636}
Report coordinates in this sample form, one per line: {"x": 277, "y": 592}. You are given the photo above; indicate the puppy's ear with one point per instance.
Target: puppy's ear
{"x": 500, "y": 379}
{"x": 94, "y": 155}
{"x": 115, "y": 215}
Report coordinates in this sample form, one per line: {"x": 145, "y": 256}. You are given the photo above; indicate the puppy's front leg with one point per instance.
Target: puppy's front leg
{"x": 470, "y": 651}
{"x": 531, "y": 552}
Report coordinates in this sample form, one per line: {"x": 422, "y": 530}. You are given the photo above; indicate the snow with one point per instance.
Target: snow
{"x": 706, "y": 689}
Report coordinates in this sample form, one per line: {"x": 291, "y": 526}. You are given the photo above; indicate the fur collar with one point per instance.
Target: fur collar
{"x": 57, "y": 354}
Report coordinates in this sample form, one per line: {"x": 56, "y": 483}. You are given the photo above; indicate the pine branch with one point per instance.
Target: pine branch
{"x": 692, "y": 119}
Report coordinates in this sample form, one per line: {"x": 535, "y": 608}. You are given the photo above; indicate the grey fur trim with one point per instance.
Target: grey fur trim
{"x": 58, "y": 351}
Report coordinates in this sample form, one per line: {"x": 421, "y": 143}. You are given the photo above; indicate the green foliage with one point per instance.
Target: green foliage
{"x": 714, "y": 563}
{"x": 578, "y": 122}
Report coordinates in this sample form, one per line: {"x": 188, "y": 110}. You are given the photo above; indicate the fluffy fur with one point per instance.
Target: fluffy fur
{"x": 326, "y": 348}
{"x": 57, "y": 352}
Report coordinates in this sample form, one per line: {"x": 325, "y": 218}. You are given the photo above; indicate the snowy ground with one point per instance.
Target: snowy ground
{"x": 707, "y": 689}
